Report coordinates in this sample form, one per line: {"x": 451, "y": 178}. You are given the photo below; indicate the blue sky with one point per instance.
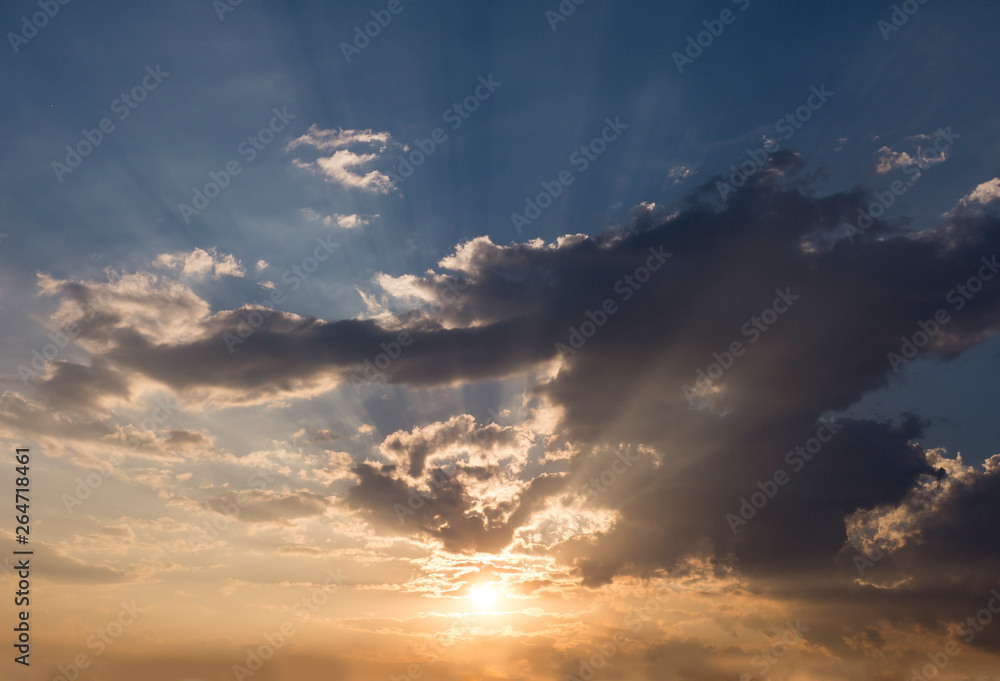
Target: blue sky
{"x": 120, "y": 207}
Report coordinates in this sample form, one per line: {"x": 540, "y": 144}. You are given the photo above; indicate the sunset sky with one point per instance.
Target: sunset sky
{"x": 493, "y": 341}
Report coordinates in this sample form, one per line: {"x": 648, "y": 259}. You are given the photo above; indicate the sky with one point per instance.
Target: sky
{"x": 564, "y": 341}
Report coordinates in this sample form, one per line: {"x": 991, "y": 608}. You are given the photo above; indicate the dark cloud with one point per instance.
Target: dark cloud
{"x": 444, "y": 509}
{"x": 772, "y": 268}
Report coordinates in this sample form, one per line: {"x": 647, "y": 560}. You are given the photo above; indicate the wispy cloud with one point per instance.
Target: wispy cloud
{"x": 354, "y": 153}
{"x": 342, "y": 220}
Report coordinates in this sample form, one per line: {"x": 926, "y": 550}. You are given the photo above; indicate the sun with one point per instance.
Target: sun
{"x": 484, "y": 596}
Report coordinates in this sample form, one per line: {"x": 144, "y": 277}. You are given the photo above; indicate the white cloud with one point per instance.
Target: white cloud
{"x": 927, "y": 154}
{"x": 330, "y": 140}
{"x": 349, "y": 221}
{"x": 342, "y": 220}
{"x": 199, "y": 263}
{"x": 984, "y": 194}
{"x": 889, "y": 160}
{"x": 681, "y": 173}
{"x": 156, "y": 308}
{"x": 345, "y": 166}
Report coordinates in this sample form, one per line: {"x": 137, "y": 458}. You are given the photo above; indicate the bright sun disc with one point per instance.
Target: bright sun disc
{"x": 483, "y": 596}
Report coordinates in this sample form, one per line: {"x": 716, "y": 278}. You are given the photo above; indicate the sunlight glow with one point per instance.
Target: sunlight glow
{"x": 484, "y": 596}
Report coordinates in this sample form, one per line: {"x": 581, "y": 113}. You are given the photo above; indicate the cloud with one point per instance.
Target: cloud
{"x": 447, "y": 511}
{"x": 263, "y": 506}
{"x": 889, "y": 160}
{"x": 315, "y": 436}
{"x": 200, "y": 263}
{"x": 65, "y": 569}
{"x": 681, "y": 173}
{"x": 501, "y": 310}
{"x": 349, "y": 221}
{"x": 442, "y": 442}
{"x": 926, "y": 154}
{"x": 975, "y": 201}
{"x": 340, "y": 220}
{"x": 331, "y": 140}
{"x": 344, "y": 166}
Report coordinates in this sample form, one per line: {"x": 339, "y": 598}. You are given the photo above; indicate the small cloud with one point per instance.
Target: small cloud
{"x": 841, "y": 142}
{"x": 199, "y": 263}
{"x": 300, "y": 550}
{"x": 313, "y": 436}
{"x": 925, "y": 156}
{"x": 262, "y": 265}
{"x": 681, "y": 173}
{"x": 889, "y": 160}
{"x": 349, "y": 221}
{"x": 341, "y": 220}
{"x": 353, "y": 151}
{"x": 121, "y": 533}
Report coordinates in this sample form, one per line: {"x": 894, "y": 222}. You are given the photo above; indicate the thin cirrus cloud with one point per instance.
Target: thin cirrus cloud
{"x": 342, "y": 220}
{"x": 354, "y": 152}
